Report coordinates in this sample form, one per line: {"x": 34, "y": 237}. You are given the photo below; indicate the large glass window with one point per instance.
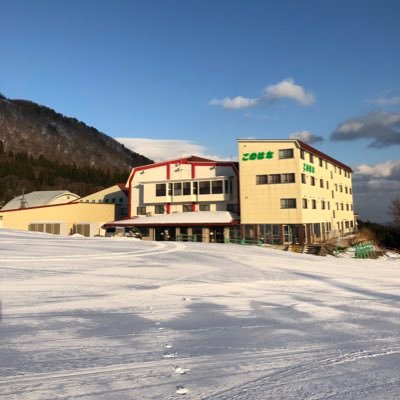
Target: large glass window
{"x": 288, "y": 203}
{"x": 288, "y": 178}
{"x": 274, "y": 178}
{"x": 161, "y": 189}
{"x": 286, "y": 153}
{"x": 187, "y": 208}
{"x": 204, "y": 187}
{"x": 216, "y": 187}
{"x": 159, "y": 209}
{"x": 186, "y": 188}
{"x": 178, "y": 189}
{"x": 141, "y": 211}
{"x": 261, "y": 179}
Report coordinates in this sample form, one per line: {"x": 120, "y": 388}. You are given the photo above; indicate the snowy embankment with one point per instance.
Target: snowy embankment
{"x": 119, "y": 319}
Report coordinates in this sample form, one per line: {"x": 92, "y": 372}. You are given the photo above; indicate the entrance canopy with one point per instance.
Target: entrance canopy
{"x": 198, "y": 218}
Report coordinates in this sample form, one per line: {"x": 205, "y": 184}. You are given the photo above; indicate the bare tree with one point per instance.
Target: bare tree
{"x": 394, "y": 210}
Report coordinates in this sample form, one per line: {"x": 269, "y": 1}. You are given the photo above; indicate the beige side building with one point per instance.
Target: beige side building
{"x": 292, "y": 193}
{"x": 116, "y": 194}
{"x": 60, "y": 219}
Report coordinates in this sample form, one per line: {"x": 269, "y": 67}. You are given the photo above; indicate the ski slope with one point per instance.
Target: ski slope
{"x": 107, "y": 318}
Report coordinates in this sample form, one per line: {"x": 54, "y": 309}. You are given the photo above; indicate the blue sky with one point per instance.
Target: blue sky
{"x": 174, "y": 70}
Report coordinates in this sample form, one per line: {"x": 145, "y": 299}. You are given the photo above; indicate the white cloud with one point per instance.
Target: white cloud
{"x": 387, "y": 169}
{"x": 160, "y": 149}
{"x": 234, "y": 103}
{"x": 385, "y": 101}
{"x": 306, "y": 136}
{"x": 288, "y": 89}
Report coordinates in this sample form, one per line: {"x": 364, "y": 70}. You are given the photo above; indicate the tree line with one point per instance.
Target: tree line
{"x": 20, "y": 171}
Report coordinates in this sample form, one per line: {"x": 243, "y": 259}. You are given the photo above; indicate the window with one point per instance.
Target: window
{"x": 312, "y": 181}
{"x": 187, "y": 208}
{"x": 321, "y": 183}
{"x": 204, "y": 187}
{"x": 302, "y": 154}
{"x": 311, "y": 158}
{"x": 204, "y": 207}
{"x": 314, "y": 204}
{"x": 334, "y": 213}
{"x": 347, "y": 224}
{"x": 178, "y": 189}
{"x": 336, "y": 186}
{"x": 341, "y": 206}
{"x": 322, "y": 205}
{"x": 320, "y": 162}
{"x": 170, "y": 185}
{"x": 329, "y": 205}
{"x": 288, "y": 178}
{"x": 159, "y": 209}
{"x": 113, "y": 200}
{"x": 261, "y": 179}
{"x": 347, "y": 207}
{"x": 346, "y": 190}
{"x": 288, "y": 203}
{"x": 216, "y": 187}
{"x": 326, "y": 164}
{"x": 161, "y": 189}
{"x": 337, "y": 206}
{"x": 305, "y": 203}
{"x": 350, "y": 190}
{"x": 195, "y": 187}
{"x": 274, "y": 178}
{"x": 121, "y": 199}
{"x": 327, "y": 184}
{"x": 331, "y": 175}
{"x": 303, "y": 178}
{"x": 341, "y": 188}
{"x": 141, "y": 211}
{"x": 340, "y": 171}
{"x": 186, "y": 188}
{"x": 286, "y": 153}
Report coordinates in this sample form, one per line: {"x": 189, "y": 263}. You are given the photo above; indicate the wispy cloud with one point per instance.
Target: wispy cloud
{"x": 382, "y": 127}
{"x": 160, "y": 150}
{"x": 287, "y": 89}
{"x": 234, "y": 103}
{"x": 307, "y": 137}
{"x": 385, "y": 101}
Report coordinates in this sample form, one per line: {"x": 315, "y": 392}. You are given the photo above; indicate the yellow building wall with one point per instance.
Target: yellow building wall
{"x": 261, "y": 204}
{"x": 72, "y": 213}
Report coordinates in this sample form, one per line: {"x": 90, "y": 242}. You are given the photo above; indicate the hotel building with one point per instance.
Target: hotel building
{"x": 292, "y": 193}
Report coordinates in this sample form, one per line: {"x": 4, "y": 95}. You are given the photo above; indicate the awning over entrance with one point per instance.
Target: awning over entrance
{"x": 198, "y": 218}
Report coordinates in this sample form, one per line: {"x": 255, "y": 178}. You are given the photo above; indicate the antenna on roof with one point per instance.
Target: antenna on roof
{"x": 24, "y": 203}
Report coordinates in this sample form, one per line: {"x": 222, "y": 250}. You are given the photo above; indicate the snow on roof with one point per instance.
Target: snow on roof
{"x": 38, "y": 198}
{"x": 187, "y": 218}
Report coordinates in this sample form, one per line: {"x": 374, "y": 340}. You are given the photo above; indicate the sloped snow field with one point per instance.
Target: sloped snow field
{"x": 107, "y": 318}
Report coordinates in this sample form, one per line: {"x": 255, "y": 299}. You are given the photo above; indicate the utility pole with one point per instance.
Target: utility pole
{"x": 24, "y": 203}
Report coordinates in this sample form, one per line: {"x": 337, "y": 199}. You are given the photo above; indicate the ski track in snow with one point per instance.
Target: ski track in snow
{"x": 109, "y": 319}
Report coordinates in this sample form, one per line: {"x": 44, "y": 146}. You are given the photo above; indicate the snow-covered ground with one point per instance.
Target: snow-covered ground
{"x": 110, "y": 318}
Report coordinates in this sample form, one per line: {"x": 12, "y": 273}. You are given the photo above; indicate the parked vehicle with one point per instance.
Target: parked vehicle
{"x": 123, "y": 231}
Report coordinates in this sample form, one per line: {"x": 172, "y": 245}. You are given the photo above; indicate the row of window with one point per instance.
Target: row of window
{"x": 197, "y": 187}
{"x": 313, "y": 181}
{"x": 306, "y": 203}
{"x": 160, "y": 208}
{"x": 112, "y": 200}
{"x": 288, "y": 153}
{"x": 274, "y": 178}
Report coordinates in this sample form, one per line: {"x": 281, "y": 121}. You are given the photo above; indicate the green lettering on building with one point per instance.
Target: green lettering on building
{"x": 258, "y": 156}
{"x": 308, "y": 168}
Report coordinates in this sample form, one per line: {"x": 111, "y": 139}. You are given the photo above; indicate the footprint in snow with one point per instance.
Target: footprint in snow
{"x": 168, "y": 346}
{"x": 182, "y": 390}
{"x": 169, "y": 355}
{"x": 181, "y": 370}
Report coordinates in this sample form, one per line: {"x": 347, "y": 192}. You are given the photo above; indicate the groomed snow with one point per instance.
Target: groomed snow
{"x": 109, "y": 318}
